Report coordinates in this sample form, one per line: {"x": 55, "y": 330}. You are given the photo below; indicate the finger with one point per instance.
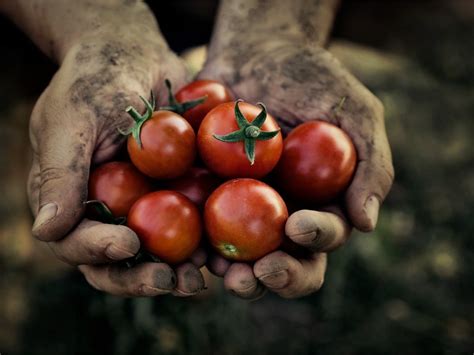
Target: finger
{"x": 218, "y": 265}
{"x": 32, "y": 186}
{"x": 199, "y": 257}
{"x": 177, "y": 73}
{"x": 372, "y": 180}
{"x": 147, "y": 279}
{"x": 64, "y": 154}
{"x": 240, "y": 280}
{"x": 189, "y": 280}
{"x": 289, "y": 277}
{"x": 93, "y": 242}
{"x": 317, "y": 231}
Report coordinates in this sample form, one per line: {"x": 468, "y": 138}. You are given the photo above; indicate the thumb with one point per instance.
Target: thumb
{"x": 372, "y": 181}
{"x": 64, "y": 156}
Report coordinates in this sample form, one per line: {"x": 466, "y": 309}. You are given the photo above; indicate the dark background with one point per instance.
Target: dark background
{"x": 406, "y": 288}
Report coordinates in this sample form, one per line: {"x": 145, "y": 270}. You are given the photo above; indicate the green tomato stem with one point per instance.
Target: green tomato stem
{"x": 248, "y": 132}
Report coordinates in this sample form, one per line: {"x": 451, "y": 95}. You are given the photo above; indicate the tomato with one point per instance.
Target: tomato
{"x": 245, "y": 219}
{"x": 162, "y": 143}
{"x": 214, "y": 92}
{"x": 197, "y": 184}
{"x": 239, "y": 140}
{"x": 118, "y": 185}
{"x": 168, "y": 225}
{"x": 317, "y": 163}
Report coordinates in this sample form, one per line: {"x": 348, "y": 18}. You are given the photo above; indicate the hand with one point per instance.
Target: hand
{"x": 75, "y": 124}
{"x": 301, "y": 82}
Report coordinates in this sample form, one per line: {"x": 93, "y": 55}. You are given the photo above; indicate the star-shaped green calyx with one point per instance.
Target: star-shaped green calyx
{"x": 135, "y": 130}
{"x": 180, "y": 107}
{"x": 248, "y": 132}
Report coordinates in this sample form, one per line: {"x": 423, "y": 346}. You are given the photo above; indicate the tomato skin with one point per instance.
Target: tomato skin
{"x": 245, "y": 219}
{"x": 216, "y": 94}
{"x": 229, "y": 160}
{"x": 168, "y": 146}
{"x": 118, "y": 185}
{"x": 317, "y": 163}
{"x": 168, "y": 225}
{"x": 197, "y": 184}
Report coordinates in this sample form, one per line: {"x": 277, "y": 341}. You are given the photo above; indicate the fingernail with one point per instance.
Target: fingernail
{"x": 275, "y": 280}
{"x": 46, "y": 213}
{"x": 308, "y": 238}
{"x": 166, "y": 280}
{"x": 372, "y": 206}
{"x": 116, "y": 253}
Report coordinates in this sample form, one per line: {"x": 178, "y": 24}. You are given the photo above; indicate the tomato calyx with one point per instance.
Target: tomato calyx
{"x": 249, "y": 132}
{"x": 104, "y": 213}
{"x": 136, "y": 129}
{"x": 180, "y": 107}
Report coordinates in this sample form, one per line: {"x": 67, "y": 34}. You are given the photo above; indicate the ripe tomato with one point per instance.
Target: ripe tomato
{"x": 239, "y": 140}
{"x": 197, "y": 184}
{"x": 162, "y": 143}
{"x": 168, "y": 225}
{"x": 317, "y": 163}
{"x": 118, "y": 185}
{"x": 245, "y": 219}
{"x": 214, "y": 93}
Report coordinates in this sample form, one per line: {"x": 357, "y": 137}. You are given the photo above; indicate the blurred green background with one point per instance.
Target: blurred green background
{"x": 406, "y": 288}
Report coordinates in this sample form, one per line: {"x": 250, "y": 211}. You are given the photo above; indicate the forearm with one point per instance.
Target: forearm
{"x": 55, "y": 26}
{"x": 309, "y": 21}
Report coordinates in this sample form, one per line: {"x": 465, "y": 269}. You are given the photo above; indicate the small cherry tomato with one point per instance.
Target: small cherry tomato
{"x": 239, "y": 140}
{"x": 118, "y": 185}
{"x": 168, "y": 225}
{"x": 245, "y": 219}
{"x": 196, "y": 99}
{"x": 161, "y": 144}
{"x": 317, "y": 162}
{"x": 197, "y": 184}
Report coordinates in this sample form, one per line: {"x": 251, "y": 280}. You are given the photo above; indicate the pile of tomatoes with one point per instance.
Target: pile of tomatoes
{"x": 196, "y": 168}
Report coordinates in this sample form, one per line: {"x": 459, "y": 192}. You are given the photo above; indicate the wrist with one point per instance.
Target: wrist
{"x": 250, "y": 21}
{"x": 57, "y": 26}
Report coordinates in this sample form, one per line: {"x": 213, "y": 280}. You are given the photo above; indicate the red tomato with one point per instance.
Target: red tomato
{"x": 118, "y": 185}
{"x": 232, "y": 159}
{"x": 215, "y": 94}
{"x": 245, "y": 219}
{"x": 167, "y": 146}
{"x": 168, "y": 225}
{"x": 317, "y": 163}
{"x": 197, "y": 184}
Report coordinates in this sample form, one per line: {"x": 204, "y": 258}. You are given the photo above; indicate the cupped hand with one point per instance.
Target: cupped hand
{"x": 74, "y": 125}
{"x": 298, "y": 83}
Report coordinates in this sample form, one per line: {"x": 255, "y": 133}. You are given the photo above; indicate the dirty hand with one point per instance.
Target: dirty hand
{"x": 75, "y": 125}
{"x": 298, "y": 83}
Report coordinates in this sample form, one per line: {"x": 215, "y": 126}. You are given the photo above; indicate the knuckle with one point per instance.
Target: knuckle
{"x": 51, "y": 174}
{"x": 62, "y": 257}
{"x": 35, "y": 119}
{"x": 140, "y": 290}
{"x": 386, "y": 176}
{"x": 378, "y": 107}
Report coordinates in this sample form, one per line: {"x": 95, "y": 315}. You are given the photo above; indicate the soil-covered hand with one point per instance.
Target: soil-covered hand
{"x": 75, "y": 124}
{"x": 300, "y": 82}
